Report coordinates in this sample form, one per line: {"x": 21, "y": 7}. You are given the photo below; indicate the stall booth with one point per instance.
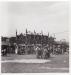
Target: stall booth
{"x": 7, "y": 48}
{"x": 4, "y": 48}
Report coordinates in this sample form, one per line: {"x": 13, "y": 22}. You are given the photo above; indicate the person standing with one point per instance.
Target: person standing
{"x": 16, "y": 50}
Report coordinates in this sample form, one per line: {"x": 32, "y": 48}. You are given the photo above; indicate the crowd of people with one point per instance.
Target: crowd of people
{"x": 41, "y": 51}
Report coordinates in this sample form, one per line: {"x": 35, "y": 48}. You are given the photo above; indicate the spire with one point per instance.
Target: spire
{"x": 34, "y": 32}
{"x": 16, "y": 35}
{"x": 16, "y": 32}
{"x": 26, "y": 31}
{"x": 48, "y": 34}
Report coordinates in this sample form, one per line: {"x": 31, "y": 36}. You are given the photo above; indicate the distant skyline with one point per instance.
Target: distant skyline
{"x": 46, "y": 16}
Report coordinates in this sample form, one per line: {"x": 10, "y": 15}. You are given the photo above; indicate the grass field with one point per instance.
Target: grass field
{"x": 58, "y": 64}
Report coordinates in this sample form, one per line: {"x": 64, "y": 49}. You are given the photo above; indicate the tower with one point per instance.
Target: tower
{"x": 26, "y": 31}
{"x": 48, "y": 34}
{"x": 16, "y": 36}
{"x": 41, "y": 37}
{"x": 16, "y": 33}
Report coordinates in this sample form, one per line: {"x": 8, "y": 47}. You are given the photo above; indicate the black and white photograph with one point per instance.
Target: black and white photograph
{"x": 34, "y": 37}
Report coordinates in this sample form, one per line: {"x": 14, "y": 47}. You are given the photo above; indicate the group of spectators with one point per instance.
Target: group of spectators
{"x": 41, "y": 51}
{"x": 44, "y": 52}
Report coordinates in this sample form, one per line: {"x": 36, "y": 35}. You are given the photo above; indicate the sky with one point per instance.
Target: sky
{"x": 46, "y": 16}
